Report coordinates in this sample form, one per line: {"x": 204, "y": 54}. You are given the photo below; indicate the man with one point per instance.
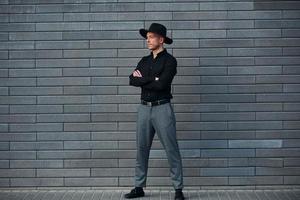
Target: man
{"x": 154, "y": 74}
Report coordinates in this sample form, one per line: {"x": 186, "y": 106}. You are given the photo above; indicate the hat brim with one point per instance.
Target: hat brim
{"x": 144, "y": 32}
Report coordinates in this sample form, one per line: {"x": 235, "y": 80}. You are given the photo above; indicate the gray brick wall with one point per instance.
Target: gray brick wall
{"x": 68, "y": 114}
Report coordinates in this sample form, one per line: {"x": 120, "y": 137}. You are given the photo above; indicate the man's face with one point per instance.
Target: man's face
{"x": 154, "y": 40}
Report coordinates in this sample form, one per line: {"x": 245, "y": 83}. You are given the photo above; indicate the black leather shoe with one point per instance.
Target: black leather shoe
{"x": 135, "y": 192}
{"x": 179, "y": 195}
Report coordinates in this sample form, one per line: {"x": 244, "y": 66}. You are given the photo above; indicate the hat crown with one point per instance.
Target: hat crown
{"x": 158, "y": 28}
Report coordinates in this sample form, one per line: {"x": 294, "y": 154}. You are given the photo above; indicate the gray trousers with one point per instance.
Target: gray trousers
{"x": 158, "y": 119}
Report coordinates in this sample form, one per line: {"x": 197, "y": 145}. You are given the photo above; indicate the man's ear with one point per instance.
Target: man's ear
{"x": 162, "y": 39}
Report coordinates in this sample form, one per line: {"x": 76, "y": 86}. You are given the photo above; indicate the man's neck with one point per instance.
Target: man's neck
{"x": 156, "y": 51}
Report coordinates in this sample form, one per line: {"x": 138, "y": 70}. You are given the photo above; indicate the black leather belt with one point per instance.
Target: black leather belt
{"x": 155, "y": 103}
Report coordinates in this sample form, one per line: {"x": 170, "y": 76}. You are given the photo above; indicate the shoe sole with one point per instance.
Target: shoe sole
{"x": 134, "y": 196}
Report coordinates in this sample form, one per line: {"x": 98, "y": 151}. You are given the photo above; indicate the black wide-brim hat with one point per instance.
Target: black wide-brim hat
{"x": 156, "y": 28}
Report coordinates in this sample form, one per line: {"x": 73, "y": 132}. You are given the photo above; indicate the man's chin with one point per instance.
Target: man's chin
{"x": 151, "y": 48}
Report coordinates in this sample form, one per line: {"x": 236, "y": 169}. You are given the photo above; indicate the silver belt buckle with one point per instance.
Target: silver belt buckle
{"x": 149, "y": 103}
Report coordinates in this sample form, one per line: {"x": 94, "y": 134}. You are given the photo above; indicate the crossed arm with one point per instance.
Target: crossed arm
{"x": 161, "y": 83}
{"x": 139, "y": 81}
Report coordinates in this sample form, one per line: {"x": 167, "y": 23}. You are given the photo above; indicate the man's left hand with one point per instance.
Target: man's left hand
{"x": 137, "y": 73}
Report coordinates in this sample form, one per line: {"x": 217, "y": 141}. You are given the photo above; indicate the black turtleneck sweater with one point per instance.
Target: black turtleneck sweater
{"x": 164, "y": 66}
